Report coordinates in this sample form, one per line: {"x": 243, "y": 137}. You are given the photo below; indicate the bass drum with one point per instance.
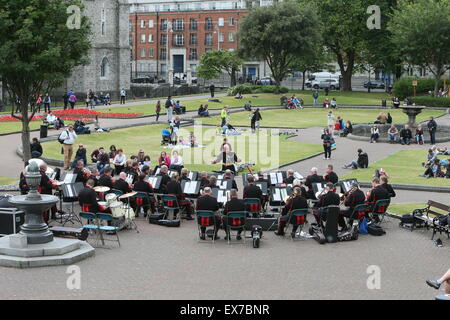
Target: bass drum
{"x": 110, "y": 198}
{"x": 129, "y": 212}
{"x": 117, "y": 209}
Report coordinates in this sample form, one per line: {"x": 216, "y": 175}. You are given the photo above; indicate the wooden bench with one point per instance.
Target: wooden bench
{"x": 431, "y": 217}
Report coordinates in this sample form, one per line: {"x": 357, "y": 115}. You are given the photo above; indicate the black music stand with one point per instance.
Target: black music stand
{"x": 346, "y": 185}
{"x": 193, "y": 175}
{"x": 224, "y": 184}
{"x": 70, "y": 195}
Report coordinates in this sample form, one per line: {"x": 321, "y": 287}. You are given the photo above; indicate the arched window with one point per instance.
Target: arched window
{"x": 104, "y": 68}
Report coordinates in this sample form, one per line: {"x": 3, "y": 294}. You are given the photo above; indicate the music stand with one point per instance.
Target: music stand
{"x": 346, "y": 185}
{"x": 224, "y": 184}
{"x": 70, "y": 193}
{"x": 221, "y": 195}
{"x": 155, "y": 182}
{"x": 193, "y": 175}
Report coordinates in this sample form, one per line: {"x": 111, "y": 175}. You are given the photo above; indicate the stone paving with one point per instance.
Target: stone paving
{"x": 166, "y": 263}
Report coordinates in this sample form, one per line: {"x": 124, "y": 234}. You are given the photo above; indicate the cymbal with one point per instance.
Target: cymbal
{"x": 101, "y": 189}
{"x": 128, "y": 195}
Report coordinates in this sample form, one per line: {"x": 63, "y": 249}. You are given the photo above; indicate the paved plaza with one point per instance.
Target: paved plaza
{"x": 169, "y": 263}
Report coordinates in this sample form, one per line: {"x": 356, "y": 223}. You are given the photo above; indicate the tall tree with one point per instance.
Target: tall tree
{"x": 215, "y": 62}
{"x": 278, "y": 34}
{"x": 421, "y": 30}
{"x": 39, "y": 46}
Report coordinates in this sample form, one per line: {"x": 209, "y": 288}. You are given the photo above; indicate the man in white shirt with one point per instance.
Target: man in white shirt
{"x": 123, "y": 94}
{"x": 51, "y": 118}
{"x": 68, "y": 136}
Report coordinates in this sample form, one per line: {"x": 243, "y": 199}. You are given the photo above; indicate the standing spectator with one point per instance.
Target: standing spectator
{"x": 327, "y": 90}
{"x": 158, "y": 109}
{"x": 224, "y": 115}
{"x": 315, "y": 96}
{"x": 393, "y": 134}
{"x": 91, "y": 99}
{"x": 374, "y": 134}
{"x": 35, "y": 148}
{"x": 256, "y": 117}
{"x": 47, "y": 101}
{"x": 169, "y": 109}
{"x": 72, "y": 99}
{"x": 123, "y": 95}
{"x": 327, "y": 139}
{"x": 432, "y": 126}
{"x": 66, "y": 100}
{"x": 419, "y": 135}
{"x": 405, "y": 135}
{"x": 331, "y": 120}
{"x": 68, "y": 136}
{"x": 212, "y": 88}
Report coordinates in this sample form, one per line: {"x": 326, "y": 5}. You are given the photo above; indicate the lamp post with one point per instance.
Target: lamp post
{"x": 169, "y": 30}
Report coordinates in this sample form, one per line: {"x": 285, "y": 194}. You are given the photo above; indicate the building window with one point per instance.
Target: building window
{"x": 143, "y": 53}
{"x": 150, "y": 37}
{"x": 164, "y": 23}
{"x": 193, "y": 39}
{"x": 150, "y": 24}
{"x": 193, "y": 54}
{"x": 103, "y": 24}
{"x": 163, "y": 54}
{"x": 178, "y": 39}
{"x": 231, "y": 21}
{"x": 142, "y": 24}
{"x": 143, "y": 38}
{"x": 208, "y": 39}
{"x": 163, "y": 68}
{"x": 231, "y": 37}
{"x": 193, "y": 69}
{"x": 103, "y": 28}
{"x": 150, "y": 52}
{"x": 163, "y": 40}
{"x": 193, "y": 24}
{"x": 221, "y": 37}
{"x": 209, "y": 24}
{"x": 221, "y": 22}
{"x": 178, "y": 25}
{"x": 104, "y": 68}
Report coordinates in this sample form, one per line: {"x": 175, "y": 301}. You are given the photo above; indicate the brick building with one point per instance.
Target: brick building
{"x": 167, "y": 35}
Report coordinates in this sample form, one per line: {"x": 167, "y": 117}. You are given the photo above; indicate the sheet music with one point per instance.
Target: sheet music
{"x": 157, "y": 171}
{"x": 298, "y": 176}
{"x": 129, "y": 179}
{"x": 190, "y": 187}
{"x": 222, "y": 184}
{"x": 280, "y": 177}
{"x": 283, "y": 194}
{"x": 70, "y": 191}
{"x": 223, "y": 196}
{"x": 152, "y": 181}
{"x": 69, "y": 178}
{"x": 273, "y": 178}
{"x": 277, "y": 195}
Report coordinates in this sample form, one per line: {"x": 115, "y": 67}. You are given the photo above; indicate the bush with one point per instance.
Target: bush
{"x": 403, "y": 87}
{"x": 432, "y": 102}
{"x": 249, "y": 89}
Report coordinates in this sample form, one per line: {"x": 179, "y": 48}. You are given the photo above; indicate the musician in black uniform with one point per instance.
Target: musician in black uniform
{"x": 134, "y": 171}
{"x": 209, "y": 203}
{"x": 165, "y": 179}
{"x": 234, "y": 204}
{"x": 295, "y": 201}
{"x": 105, "y": 179}
{"x": 78, "y": 170}
{"x": 228, "y": 176}
{"x": 300, "y": 184}
{"x": 378, "y": 192}
{"x": 46, "y": 187}
{"x": 385, "y": 184}
{"x": 23, "y": 186}
{"x": 354, "y": 198}
{"x": 329, "y": 198}
{"x": 87, "y": 199}
{"x": 142, "y": 186}
{"x": 253, "y": 191}
{"x": 331, "y": 176}
{"x": 312, "y": 178}
{"x": 121, "y": 184}
{"x": 174, "y": 188}
{"x": 290, "y": 177}
{"x": 204, "y": 181}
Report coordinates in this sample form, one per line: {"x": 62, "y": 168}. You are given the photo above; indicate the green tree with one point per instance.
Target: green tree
{"x": 215, "y": 62}
{"x": 278, "y": 34}
{"x": 314, "y": 62}
{"x": 420, "y": 30}
{"x": 38, "y": 51}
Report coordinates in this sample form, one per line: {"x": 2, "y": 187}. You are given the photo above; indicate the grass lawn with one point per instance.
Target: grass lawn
{"x": 263, "y": 99}
{"x": 304, "y": 118}
{"x": 262, "y": 148}
{"x": 403, "y": 167}
{"x": 16, "y": 126}
{"x": 7, "y": 181}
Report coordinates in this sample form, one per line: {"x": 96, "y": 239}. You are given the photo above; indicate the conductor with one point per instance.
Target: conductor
{"x": 227, "y": 158}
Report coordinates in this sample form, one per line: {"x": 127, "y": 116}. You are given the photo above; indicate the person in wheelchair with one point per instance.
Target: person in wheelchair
{"x": 234, "y": 204}
{"x": 328, "y": 198}
{"x": 209, "y": 203}
{"x": 353, "y": 198}
{"x": 296, "y": 201}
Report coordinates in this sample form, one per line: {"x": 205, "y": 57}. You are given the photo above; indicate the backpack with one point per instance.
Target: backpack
{"x": 60, "y": 140}
{"x": 375, "y": 230}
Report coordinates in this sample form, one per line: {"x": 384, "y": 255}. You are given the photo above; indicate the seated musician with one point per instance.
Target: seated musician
{"x": 134, "y": 171}
{"x": 78, "y": 170}
{"x": 46, "y": 187}
{"x": 253, "y": 191}
{"x": 165, "y": 179}
{"x": 228, "y": 176}
{"x": 121, "y": 184}
{"x": 142, "y": 186}
{"x": 184, "y": 175}
{"x": 353, "y": 198}
{"x": 377, "y": 193}
{"x": 88, "y": 174}
{"x": 105, "y": 179}
{"x": 234, "y": 204}
{"x": 227, "y": 158}
{"x": 331, "y": 176}
{"x": 212, "y": 182}
{"x": 204, "y": 181}
{"x": 23, "y": 186}
{"x": 209, "y": 203}
{"x": 145, "y": 169}
{"x": 174, "y": 188}
{"x": 295, "y": 201}
{"x": 385, "y": 184}
{"x": 290, "y": 177}
{"x": 312, "y": 178}
{"x": 88, "y": 200}
{"x": 328, "y": 198}
{"x": 300, "y": 184}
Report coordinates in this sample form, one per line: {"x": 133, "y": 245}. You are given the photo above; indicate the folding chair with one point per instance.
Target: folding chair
{"x": 253, "y": 207}
{"x": 359, "y": 212}
{"x": 142, "y": 200}
{"x": 297, "y": 217}
{"x": 236, "y": 221}
{"x": 92, "y": 225}
{"x": 107, "y": 217}
{"x": 171, "y": 204}
{"x": 206, "y": 219}
{"x": 379, "y": 209}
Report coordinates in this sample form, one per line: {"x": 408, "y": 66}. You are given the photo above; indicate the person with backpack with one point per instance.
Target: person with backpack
{"x": 67, "y": 139}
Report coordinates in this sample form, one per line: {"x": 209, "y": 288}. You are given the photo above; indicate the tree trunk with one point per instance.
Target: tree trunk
{"x": 436, "y": 85}
{"x": 233, "y": 77}
{"x": 346, "y": 72}
{"x": 277, "y": 85}
{"x": 346, "y": 80}
{"x": 25, "y": 128}
{"x": 303, "y": 80}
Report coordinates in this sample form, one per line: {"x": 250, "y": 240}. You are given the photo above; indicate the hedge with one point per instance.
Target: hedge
{"x": 403, "y": 87}
{"x": 432, "y": 102}
{"x": 249, "y": 89}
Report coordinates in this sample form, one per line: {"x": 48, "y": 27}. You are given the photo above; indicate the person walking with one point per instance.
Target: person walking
{"x": 158, "y": 109}
{"x": 254, "y": 122}
{"x": 123, "y": 95}
{"x": 169, "y": 109}
{"x": 224, "y": 115}
{"x": 432, "y": 126}
{"x": 315, "y": 96}
{"x": 68, "y": 137}
{"x": 327, "y": 140}
{"x": 212, "y": 88}
{"x": 47, "y": 101}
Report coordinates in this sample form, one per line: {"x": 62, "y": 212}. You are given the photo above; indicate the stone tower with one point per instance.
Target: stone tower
{"x": 109, "y": 69}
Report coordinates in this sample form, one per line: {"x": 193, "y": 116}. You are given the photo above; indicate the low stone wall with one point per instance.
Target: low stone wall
{"x": 148, "y": 90}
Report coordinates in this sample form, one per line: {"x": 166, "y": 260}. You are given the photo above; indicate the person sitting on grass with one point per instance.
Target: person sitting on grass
{"x": 433, "y": 171}
{"x": 405, "y": 135}
{"x": 362, "y": 161}
{"x": 203, "y": 111}
{"x": 248, "y": 106}
{"x": 229, "y": 130}
{"x": 393, "y": 134}
{"x": 348, "y": 129}
{"x": 437, "y": 283}
{"x": 333, "y": 103}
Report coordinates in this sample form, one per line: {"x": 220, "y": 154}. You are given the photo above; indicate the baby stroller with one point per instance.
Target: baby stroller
{"x": 166, "y": 137}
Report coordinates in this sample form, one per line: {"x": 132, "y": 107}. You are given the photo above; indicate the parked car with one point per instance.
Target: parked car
{"x": 315, "y": 79}
{"x": 374, "y": 84}
{"x": 142, "y": 80}
{"x": 331, "y": 84}
{"x": 266, "y": 81}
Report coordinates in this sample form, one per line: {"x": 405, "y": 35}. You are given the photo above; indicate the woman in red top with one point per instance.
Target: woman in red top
{"x": 164, "y": 159}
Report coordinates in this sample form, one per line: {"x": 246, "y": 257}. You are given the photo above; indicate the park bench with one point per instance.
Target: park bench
{"x": 431, "y": 217}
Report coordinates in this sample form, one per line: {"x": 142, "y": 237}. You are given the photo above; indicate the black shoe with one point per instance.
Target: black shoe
{"x": 238, "y": 237}
{"x": 202, "y": 236}
{"x": 434, "y": 284}
{"x": 279, "y": 233}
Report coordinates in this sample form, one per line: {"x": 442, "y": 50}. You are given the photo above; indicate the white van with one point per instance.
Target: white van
{"x": 315, "y": 79}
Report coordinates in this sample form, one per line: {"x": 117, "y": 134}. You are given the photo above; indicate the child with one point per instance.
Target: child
{"x": 419, "y": 135}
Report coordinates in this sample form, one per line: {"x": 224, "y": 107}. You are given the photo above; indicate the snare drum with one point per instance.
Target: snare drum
{"x": 117, "y": 209}
{"x": 110, "y": 198}
{"x": 103, "y": 203}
